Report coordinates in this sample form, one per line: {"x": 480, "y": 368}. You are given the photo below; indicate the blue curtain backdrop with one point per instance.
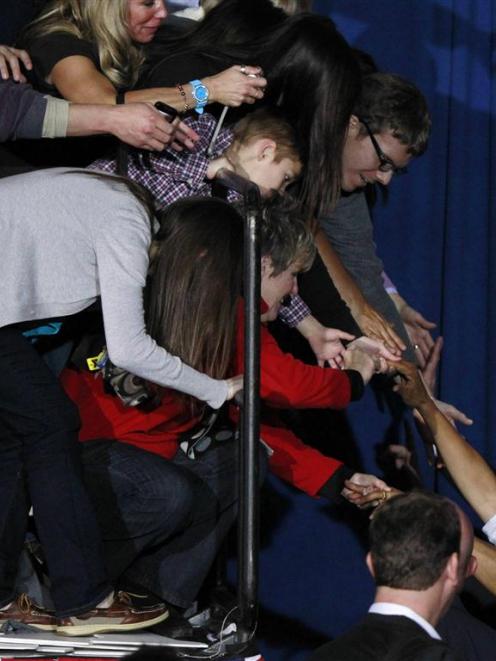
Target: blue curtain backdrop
{"x": 437, "y": 237}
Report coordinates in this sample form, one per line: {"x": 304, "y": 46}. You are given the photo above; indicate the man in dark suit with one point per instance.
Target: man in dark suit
{"x": 420, "y": 554}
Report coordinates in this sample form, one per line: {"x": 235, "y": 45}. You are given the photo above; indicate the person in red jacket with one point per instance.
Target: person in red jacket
{"x": 164, "y": 511}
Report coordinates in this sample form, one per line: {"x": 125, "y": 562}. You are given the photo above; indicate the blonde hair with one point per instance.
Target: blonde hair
{"x": 103, "y": 22}
{"x": 293, "y": 6}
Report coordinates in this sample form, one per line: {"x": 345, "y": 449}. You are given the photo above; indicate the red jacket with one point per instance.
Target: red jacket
{"x": 285, "y": 383}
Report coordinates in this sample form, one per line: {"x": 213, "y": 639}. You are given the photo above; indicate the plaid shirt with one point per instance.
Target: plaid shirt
{"x": 295, "y": 312}
{"x": 171, "y": 175}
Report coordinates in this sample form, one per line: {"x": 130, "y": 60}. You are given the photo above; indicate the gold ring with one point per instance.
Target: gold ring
{"x": 384, "y": 496}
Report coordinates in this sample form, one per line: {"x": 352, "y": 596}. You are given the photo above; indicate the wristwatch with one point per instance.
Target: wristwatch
{"x": 200, "y": 94}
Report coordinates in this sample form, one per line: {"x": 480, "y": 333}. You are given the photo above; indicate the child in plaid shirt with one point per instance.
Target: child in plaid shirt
{"x": 261, "y": 147}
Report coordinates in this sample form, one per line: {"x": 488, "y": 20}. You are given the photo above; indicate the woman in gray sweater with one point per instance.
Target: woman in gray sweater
{"x": 69, "y": 238}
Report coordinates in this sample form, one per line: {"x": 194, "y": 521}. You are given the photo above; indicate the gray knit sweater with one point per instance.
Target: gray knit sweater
{"x": 68, "y": 238}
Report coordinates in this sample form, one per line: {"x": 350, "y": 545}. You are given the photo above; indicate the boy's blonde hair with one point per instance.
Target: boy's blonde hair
{"x": 264, "y": 123}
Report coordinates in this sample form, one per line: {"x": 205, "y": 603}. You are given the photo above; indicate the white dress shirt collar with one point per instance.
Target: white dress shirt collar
{"x": 386, "y": 608}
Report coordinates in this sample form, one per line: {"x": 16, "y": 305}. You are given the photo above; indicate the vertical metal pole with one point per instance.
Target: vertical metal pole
{"x": 249, "y": 510}
{"x": 248, "y": 535}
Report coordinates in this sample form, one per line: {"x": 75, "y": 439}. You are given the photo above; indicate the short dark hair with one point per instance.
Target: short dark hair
{"x": 391, "y": 103}
{"x": 411, "y": 539}
{"x": 284, "y": 235}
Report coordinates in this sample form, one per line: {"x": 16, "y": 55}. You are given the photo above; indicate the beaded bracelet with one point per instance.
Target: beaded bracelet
{"x": 181, "y": 91}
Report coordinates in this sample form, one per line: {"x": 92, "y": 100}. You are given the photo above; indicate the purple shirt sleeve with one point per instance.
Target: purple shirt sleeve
{"x": 295, "y": 312}
{"x": 22, "y": 111}
{"x": 389, "y": 285}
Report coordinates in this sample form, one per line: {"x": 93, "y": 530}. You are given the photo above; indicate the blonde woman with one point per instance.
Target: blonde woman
{"x": 89, "y": 51}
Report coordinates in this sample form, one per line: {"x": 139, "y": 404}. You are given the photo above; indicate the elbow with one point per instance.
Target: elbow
{"x": 122, "y": 359}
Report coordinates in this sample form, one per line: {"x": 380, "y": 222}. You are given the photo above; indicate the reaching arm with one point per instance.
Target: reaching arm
{"x": 471, "y": 473}
{"x": 486, "y": 564}
{"x": 325, "y": 342}
{"x": 77, "y": 79}
{"x": 137, "y": 124}
{"x": 371, "y": 322}
{"x": 26, "y": 113}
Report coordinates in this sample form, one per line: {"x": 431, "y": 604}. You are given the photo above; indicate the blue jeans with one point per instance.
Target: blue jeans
{"x": 40, "y": 466}
{"x": 162, "y": 521}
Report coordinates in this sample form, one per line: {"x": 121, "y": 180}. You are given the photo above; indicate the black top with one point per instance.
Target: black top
{"x": 49, "y": 49}
{"x": 45, "y": 52}
{"x": 385, "y": 638}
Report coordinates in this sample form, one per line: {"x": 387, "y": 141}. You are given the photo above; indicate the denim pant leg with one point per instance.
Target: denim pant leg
{"x": 177, "y": 570}
{"x": 39, "y": 428}
{"x": 140, "y": 499}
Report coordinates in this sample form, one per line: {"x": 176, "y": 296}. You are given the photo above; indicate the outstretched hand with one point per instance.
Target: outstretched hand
{"x": 373, "y": 347}
{"x": 234, "y": 385}
{"x": 453, "y": 414}
{"x": 142, "y": 126}
{"x": 429, "y": 369}
{"x": 429, "y": 377}
{"x": 326, "y": 343}
{"x": 417, "y": 327}
{"x": 409, "y": 384}
{"x": 365, "y": 490}
{"x": 364, "y": 363}
{"x": 375, "y": 326}
{"x": 10, "y": 63}
{"x": 237, "y": 85}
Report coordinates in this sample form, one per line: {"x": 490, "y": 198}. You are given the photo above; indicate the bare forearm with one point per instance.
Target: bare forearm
{"x": 486, "y": 564}
{"x": 169, "y": 95}
{"x": 343, "y": 281}
{"x": 179, "y": 97}
{"x": 137, "y": 124}
{"x": 87, "y": 119}
{"x": 471, "y": 473}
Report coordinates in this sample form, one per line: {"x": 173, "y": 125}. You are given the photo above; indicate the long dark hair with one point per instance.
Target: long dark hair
{"x": 194, "y": 283}
{"x": 228, "y": 31}
{"x": 312, "y": 76}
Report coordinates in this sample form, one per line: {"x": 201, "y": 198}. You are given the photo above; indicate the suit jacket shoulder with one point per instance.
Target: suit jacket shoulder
{"x": 385, "y": 638}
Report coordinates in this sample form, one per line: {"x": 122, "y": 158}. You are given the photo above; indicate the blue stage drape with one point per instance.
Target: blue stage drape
{"x": 437, "y": 237}
{"x": 436, "y": 234}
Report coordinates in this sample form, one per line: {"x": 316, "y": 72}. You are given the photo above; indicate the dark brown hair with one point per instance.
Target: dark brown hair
{"x": 391, "y": 103}
{"x": 195, "y": 283}
{"x": 412, "y": 537}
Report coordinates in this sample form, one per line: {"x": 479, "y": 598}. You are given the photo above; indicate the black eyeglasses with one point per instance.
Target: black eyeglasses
{"x": 385, "y": 163}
